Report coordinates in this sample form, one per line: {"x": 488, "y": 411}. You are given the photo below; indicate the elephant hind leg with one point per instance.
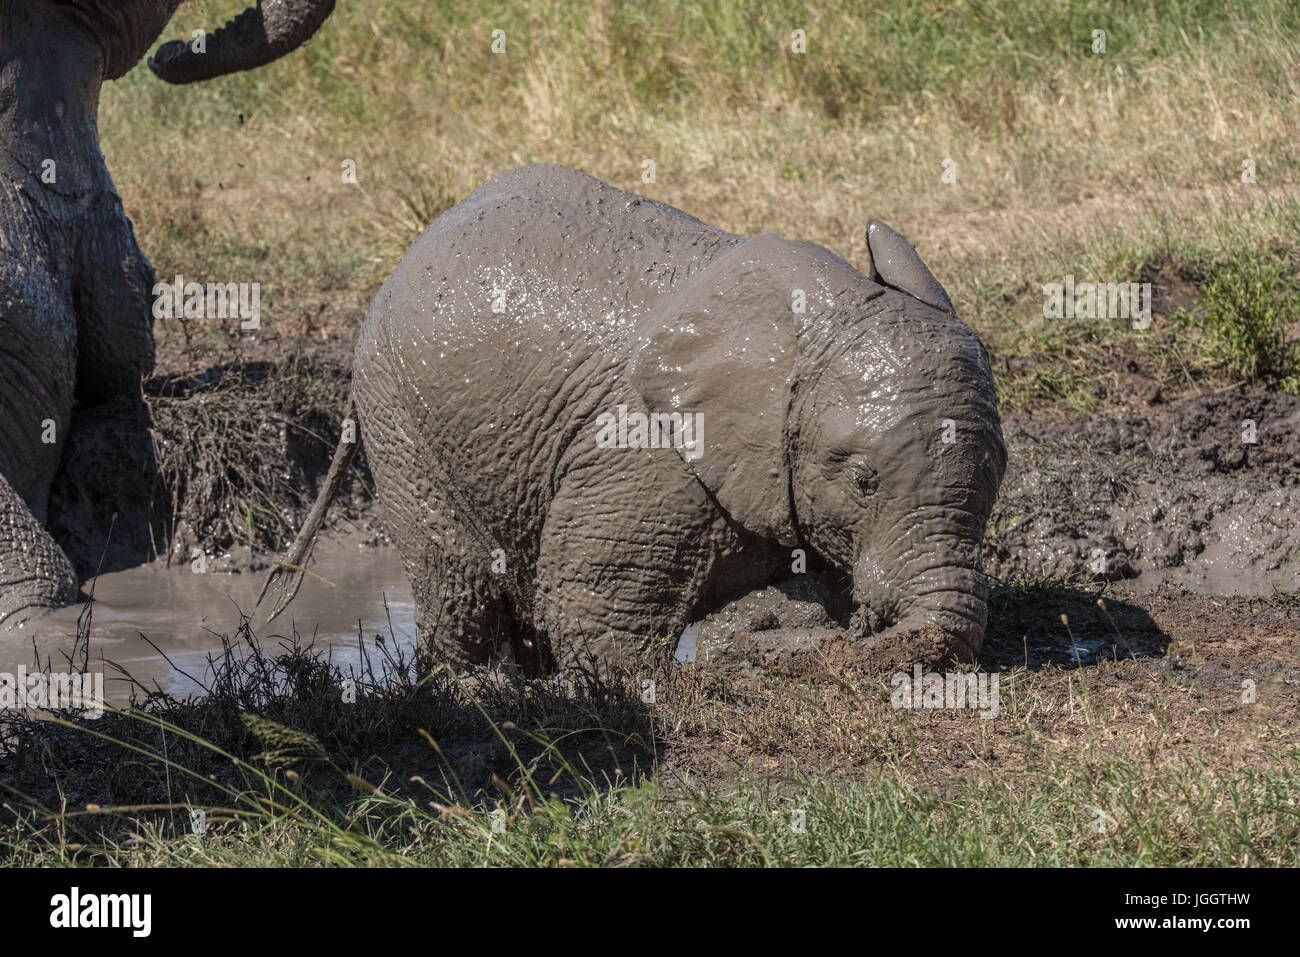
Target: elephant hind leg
{"x": 462, "y": 610}
{"x": 35, "y": 575}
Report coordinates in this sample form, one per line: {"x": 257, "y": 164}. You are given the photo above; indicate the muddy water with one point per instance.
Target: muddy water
{"x": 185, "y": 614}
{"x": 689, "y": 640}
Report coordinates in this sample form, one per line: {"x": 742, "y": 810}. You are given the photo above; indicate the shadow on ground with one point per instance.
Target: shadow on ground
{"x": 1064, "y": 627}
{"x": 280, "y": 726}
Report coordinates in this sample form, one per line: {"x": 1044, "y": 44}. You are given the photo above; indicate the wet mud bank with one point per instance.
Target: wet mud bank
{"x": 1204, "y": 492}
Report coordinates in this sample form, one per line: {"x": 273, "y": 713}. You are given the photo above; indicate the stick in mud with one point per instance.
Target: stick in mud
{"x": 286, "y": 577}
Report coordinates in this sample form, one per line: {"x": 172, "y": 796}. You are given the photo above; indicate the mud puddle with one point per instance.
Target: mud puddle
{"x": 353, "y": 593}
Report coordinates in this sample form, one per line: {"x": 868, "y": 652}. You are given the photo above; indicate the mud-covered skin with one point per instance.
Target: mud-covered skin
{"x": 264, "y": 32}
{"x": 824, "y": 430}
{"x": 76, "y": 333}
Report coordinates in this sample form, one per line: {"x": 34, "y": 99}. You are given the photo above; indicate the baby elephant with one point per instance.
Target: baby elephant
{"x": 592, "y": 417}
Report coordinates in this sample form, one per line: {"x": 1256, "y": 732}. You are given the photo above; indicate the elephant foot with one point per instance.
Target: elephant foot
{"x": 44, "y": 583}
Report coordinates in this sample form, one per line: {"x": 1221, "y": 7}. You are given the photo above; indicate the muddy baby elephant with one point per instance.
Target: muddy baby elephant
{"x": 591, "y": 417}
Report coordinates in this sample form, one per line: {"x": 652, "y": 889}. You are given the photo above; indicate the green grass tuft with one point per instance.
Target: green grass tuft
{"x": 1246, "y": 308}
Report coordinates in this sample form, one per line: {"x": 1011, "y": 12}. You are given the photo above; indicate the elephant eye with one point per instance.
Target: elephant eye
{"x": 864, "y": 478}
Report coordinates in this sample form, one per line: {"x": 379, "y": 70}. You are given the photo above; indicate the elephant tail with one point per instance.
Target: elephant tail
{"x": 286, "y": 577}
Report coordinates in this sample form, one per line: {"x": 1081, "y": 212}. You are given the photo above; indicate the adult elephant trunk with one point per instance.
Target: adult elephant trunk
{"x": 924, "y": 598}
{"x": 262, "y": 33}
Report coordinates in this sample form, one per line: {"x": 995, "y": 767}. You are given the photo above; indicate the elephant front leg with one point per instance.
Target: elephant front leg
{"x": 625, "y": 557}
{"x": 105, "y": 501}
{"x": 35, "y": 575}
{"x": 38, "y": 349}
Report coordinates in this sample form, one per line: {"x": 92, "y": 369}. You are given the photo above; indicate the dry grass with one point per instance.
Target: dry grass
{"x": 1066, "y": 161}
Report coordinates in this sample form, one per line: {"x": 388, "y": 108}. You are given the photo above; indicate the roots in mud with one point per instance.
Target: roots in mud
{"x": 241, "y": 449}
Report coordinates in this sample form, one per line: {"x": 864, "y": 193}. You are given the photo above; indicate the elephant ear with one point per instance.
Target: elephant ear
{"x": 723, "y": 345}
{"x": 894, "y": 262}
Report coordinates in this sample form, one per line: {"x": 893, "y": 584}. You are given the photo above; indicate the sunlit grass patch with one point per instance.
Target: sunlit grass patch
{"x": 1034, "y": 115}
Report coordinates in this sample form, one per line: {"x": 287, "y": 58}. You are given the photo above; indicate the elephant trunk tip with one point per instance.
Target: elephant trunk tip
{"x": 936, "y": 640}
{"x": 261, "y": 34}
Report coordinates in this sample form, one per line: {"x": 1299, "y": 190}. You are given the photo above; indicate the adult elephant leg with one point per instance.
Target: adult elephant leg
{"x": 102, "y": 501}
{"x": 113, "y": 294}
{"x": 35, "y": 575}
{"x": 625, "y": 556}
{"x": 38, "y": 348}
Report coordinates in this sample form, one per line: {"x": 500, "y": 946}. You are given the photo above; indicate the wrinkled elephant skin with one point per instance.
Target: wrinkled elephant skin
{"x": 507, "y": 370}
{"x": 76, "y": 292}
